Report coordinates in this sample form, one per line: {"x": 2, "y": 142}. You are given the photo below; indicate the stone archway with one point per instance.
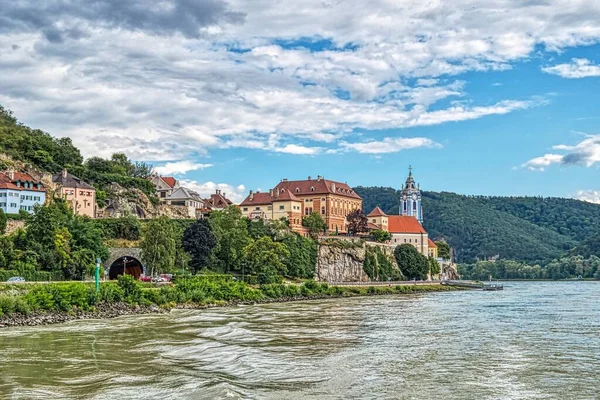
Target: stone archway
{"x": 125, "y": 265}
{"x": 124, "y": 259}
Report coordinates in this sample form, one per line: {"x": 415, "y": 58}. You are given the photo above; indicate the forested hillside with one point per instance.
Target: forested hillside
{"x": 531, "y": 229}
{"x": 42, "y": 151}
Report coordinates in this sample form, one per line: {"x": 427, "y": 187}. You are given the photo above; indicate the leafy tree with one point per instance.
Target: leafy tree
{"x": 3, "y": 222}
{"x": 413, "y": 264}
{"x": 379, "y": 267}
{"x": 199, "y": 242}
{"x": 303, "y": 256}
{"x": 443, "y": 250}
{"x": 258, "y": 228}
{"x": 434, "y": 266}
{"x": 231, "y": 231}
{"x": 158, "y": 245}
{"x": 357, "y": 222}
{"x": 143, "y": 170}
{"x": 381, "y": 236}
{"x": 315, "y": 224}
{"x": 266, "y": 258}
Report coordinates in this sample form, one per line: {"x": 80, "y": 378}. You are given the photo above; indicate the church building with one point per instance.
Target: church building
{"x": 405, "y": 228}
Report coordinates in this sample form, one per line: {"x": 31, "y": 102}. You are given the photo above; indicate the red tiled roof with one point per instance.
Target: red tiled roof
{"x": 404, "y": 224}
{"x": 218, "y": 200}
{"x": 169, "y": 180}
{"x": 377, "y": 212}
{"x": 286, "y": 195}
{"x": 372, "y": 226}
{"x": 431, "y": 244}
{"x": 319, "y": 186}
{"x": 7, "y": 183}
{"x": 257, "y": 199}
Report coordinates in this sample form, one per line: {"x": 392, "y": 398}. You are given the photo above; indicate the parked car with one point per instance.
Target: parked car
{"x": 16, "y": 279}
{"x": 145, "y": 278}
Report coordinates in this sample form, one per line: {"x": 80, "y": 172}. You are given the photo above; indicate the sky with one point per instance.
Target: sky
{"x": 480, "y": 97}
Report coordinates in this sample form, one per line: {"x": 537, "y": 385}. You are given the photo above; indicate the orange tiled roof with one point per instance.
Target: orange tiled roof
{"x": 286, "y": 195}
{"x": 318, "y": 186}
{"x": 7, "y": 183}
{"x": 169, "y": 180}
{"x": 404, "y": 224}
{"x": 257, "y": 199}
{"x": 377, "y": 212}
{"x": 431, "y": 244}
{"x": 372, "y": 226}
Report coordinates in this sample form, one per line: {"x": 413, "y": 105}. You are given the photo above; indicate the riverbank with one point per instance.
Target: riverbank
{"x": 58, "y": 303}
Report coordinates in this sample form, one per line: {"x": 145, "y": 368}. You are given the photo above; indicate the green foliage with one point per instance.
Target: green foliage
{"x": 443, "y": 250}
{"x": 315, "y": 223}
{"x": 3, "y": 222}
{"x": 34, "y": 146}
{"x": 266, "y": 259}
{"x": 562, "y": 268}
{"x": 381, "y": 236}
{"x": 231, "y": 231}
{"x": 413, "y": 264}
{"x": 132, "y": 290}
{"x": 531, "y": 229}
{"x": 379, "y": 267}
{"x": 303, "y": 256}
{"x": 128, "y": 228}
{"x": 434, "y": 266}
{"x": 587, "y": 248}
{"x": 199, "y": 241}
{"x": 158, "y": 245}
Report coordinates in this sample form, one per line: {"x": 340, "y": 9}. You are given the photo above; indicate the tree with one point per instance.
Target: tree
{"x": 232, "y": 236}
{"x": 443, "y": 250}
{"x": 266, "y": 258}
{"x": 434, "y": 267}
{"x": 199, "y": 241}
{"x": 143, "y": 170}
{"x": 303, "y": 256}
{"x": 158, "y": 245}
{"x": 381, "y": 236}
{"x": 413, "y": 264}
{"x": 357, "y": 222}
{"x": 3, "y": 222}
{"x": 315, "y": 224}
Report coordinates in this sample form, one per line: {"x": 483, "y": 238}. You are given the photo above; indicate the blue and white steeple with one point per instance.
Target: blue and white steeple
{"x": 410, "y": 198}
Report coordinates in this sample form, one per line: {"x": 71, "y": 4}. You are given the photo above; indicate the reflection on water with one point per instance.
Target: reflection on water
{"x": 531, "y": 341}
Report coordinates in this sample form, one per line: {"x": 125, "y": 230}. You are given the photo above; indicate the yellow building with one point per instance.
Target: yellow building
{"x": 295, "y": 199}
{"x": 80, "y": 195}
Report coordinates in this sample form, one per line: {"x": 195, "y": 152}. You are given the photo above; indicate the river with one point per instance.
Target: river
{"x": 534, "y": 340}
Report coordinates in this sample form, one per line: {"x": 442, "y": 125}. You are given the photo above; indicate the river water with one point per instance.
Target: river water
{"x": 531, "y": 341}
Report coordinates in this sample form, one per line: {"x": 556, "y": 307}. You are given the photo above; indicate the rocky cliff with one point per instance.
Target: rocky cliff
{"x": 340, "y": 260}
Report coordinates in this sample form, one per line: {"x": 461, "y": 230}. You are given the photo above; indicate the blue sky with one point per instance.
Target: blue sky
{"x": 479, "y": 98}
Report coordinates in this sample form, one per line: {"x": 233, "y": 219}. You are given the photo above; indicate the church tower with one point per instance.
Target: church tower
{"x": 410, "y": 198}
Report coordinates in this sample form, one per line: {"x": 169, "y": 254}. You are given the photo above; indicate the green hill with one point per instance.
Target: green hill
{"x": 527, "y": 229}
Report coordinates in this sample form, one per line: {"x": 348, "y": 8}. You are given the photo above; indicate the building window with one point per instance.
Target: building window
{"x": 257, "y": 208}
{"x": 323, "y": 210}
{"x": 323, "y": 199}
{"x": 245, "y": 208}
{"x": 404, "y": 240}
{"x": 374, "y": 220}
{"x": 282, "y": 207}
{"x": 269, "y": 207}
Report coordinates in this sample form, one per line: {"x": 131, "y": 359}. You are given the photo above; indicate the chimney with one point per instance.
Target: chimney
{"x": 271, "y": 192}
{"x": 285, "y": 179}
{"x": 319, "y": 177}
{"x": 11, "y": 174}
{"x": 309, "y": 177}
{"x": 224, "y": 194}
{"x": 251, "y": 195}
{"x": 64, "y": 173}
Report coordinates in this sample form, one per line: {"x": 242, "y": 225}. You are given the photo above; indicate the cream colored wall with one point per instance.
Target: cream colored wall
{"x": 380, "y": 221}
{"x": 80, "y": 202}
{"x": 415, "y": 239}
{"x": 288, "y": 206}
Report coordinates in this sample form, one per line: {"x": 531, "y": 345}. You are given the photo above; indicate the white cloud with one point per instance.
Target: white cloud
{"x": 577, "y": 68}
{"x": 585, "y": 153}
{"x": 166, "y": 86}
{"x": 389, "y": 145}
{"x": 234, "y": 193}
{"x": 179, "y": 167}
{"x": 540, "y": 163}
{"x": 592, "y": 196}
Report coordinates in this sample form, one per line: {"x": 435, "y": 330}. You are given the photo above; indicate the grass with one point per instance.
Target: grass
{"x": 194, "y": 291}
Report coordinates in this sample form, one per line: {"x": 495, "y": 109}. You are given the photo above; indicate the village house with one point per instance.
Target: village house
{"x": 293, "y": 200}
{"x": 80, "y": 195}
{"x": 165, "y": 186}
{"x": 19, "y": 191}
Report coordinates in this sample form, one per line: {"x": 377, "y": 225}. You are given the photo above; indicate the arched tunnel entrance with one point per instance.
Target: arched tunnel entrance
{"x": 128, "y": 265}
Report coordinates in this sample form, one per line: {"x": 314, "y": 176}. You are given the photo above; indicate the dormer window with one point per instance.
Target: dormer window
{"x": 297, "y": 190}
{"x": 312, "y": 189}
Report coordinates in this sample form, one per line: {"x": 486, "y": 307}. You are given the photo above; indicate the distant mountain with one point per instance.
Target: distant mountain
{"x": 531, "y": 229}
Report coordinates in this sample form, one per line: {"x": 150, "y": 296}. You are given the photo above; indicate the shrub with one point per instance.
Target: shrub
{"x": 132, "y": 290}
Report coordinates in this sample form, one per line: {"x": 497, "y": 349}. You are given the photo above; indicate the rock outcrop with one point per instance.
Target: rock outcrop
{"x": 341, "y": 260}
